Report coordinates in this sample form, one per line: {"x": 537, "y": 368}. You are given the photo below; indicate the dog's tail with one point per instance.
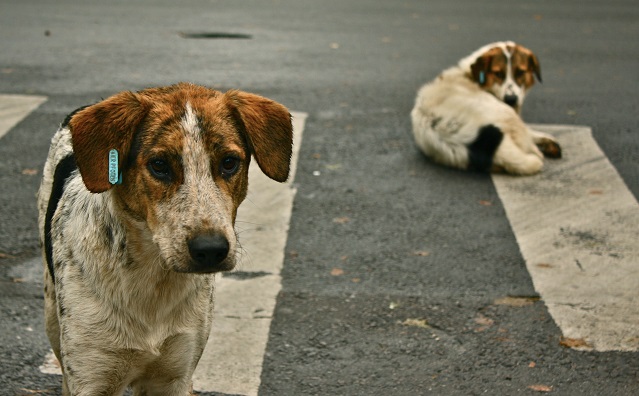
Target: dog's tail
{"x": 482, "y": 150}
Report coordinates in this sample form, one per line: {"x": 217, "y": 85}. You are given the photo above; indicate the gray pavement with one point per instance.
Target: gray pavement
{"x": 432, "y": 295}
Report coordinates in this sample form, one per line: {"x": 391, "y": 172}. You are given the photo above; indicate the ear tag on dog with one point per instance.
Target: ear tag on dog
{"x": 115, "y": 176}
{"x": 482, "y": 77}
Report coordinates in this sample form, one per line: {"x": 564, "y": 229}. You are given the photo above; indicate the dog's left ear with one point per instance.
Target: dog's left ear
{"x": 534, "y": 65}
{"x": 526, "y": 56}
{"x": 100, "y": 128}
{"x": 268, "y": 129}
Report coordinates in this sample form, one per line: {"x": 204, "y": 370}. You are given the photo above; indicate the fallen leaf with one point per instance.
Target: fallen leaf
{"x": 484, "y": 321}
{"x": 574, "y": 343}
{"x": 343, "y": 258}
{"x": 416, "y": 323}
{"x": 484, "y": 202}
{"x": 544, "y": 265}
{"x": 532, "y": 364}
{"x": 30, "y": 172}
{"x": 341, "y": 220}
{"x": 596, "y": 192}
{"x": 356, "y": 280}
{"x": 334, "y": 45}
{"x": 513, "y": 301}
{"x": 421, "y": 253}
{"x": 540, "y": 388}
{"x": 337, "y": 272}
{"x": 393, "y": 305}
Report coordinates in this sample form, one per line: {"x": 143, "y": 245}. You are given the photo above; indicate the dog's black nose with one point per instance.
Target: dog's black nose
{"x": 511, "y": 100}
{"x": 208, "y": 251}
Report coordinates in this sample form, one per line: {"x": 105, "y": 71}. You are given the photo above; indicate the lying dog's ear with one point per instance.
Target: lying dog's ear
{"x": 100, "y": 128}
{"x": 480, "y": 69}
{"x": 522, "y": 55}
{"x": 269, "y": 131}
{"x": 534, "y": 65}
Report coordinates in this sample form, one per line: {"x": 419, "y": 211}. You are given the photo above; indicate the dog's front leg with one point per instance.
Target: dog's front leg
{"x": 180, "y": 387}
{"x": 90, "y": 371}
{"x": 170, "y": 372}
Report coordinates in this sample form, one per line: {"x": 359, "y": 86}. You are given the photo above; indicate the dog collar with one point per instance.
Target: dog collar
{"x": 115, "y": 176}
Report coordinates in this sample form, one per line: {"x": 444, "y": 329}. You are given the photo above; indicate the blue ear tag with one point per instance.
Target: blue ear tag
{"x": 482, "y": 77}
{"x": 115, "y": 176}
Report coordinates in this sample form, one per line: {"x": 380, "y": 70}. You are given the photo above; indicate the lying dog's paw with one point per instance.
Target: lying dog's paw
{"x": 550, "y": 148}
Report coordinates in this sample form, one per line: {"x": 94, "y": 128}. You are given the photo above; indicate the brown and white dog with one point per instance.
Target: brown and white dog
{"x": 131, "y": 243}
{"x": 468, "y": 117}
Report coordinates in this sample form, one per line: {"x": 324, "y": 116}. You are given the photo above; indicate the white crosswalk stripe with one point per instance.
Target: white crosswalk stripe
{"x": 232, "y": 360}
{"x": 13, "y": 108}
{"x": 577, "y": 226}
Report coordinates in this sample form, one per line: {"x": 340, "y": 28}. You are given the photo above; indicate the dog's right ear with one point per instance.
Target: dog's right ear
{"x": 480, "y": 69}
{"x": 100, "y": 128}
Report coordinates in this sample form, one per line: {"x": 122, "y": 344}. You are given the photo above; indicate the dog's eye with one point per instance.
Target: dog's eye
{"x": 160, "y": 169}
{"x": 500, "y": 75}
{"x": 229, "y": 166}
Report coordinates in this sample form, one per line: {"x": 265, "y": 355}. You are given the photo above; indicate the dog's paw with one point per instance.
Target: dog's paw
{"x": 550, "y": 148}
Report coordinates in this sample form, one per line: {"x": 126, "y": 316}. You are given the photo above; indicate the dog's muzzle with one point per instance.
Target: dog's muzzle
{"x": 209, "y": 253}
{"x": 511, "y": 100}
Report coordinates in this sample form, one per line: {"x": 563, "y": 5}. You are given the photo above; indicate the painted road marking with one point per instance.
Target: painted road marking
{"x": 577, "y": 226}
{"x": 245, "y": 300}
{"x": 14, "y": 108}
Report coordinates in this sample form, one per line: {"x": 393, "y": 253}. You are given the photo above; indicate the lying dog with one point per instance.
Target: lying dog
{"x": 468, "y": 117}
{"x": 136, "y": 212}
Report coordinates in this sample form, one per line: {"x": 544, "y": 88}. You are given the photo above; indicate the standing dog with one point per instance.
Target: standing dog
{"x": 468, "y": 117}
{"x": 136, "y": 212}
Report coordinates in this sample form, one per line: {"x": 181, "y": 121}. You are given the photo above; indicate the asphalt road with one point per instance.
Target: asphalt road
{"x": 424, "y": 255}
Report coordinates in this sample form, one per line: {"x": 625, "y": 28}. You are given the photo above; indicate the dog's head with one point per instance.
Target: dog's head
{"x": 507, "y": 70}
{"x": 184, "y": 154}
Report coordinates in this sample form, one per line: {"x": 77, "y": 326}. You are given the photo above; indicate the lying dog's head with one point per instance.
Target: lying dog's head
{"x": 184, "y": 154}
{"x": 507, "y": 70}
